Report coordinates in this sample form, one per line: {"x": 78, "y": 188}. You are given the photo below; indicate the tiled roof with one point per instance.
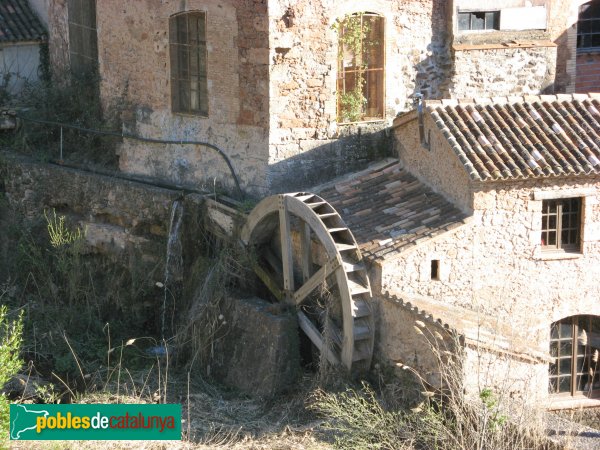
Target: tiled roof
{"x": 522, "y": 137}
{"x": 19, "y": 23}
{"x": 389, "y": 210}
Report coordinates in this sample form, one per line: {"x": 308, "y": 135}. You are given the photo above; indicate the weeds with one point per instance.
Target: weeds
{"x": 11, "y": 333}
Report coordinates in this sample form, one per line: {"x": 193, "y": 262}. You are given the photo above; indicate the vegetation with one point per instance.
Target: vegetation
{"x": 10, "y": 362}
{"x": 75, "y": 102}
{"x": 352, "y": 31}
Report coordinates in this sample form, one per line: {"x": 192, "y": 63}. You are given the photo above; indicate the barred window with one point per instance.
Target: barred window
{"x": 361, "y": 63}
{"x": 187, "y": 40}
{"x": 561, "y": 224}
{"x": 574, "y": 349}
{"x": 83, "y": 38}
{"x": 588, "y": 26}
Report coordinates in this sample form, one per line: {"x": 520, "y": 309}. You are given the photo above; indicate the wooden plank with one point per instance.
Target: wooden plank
{"x": 305, "y": 249}
{"x": 270, "y": 282}
{"x": 315, "y": 336}
{"x": 314, "y": 281}
{"x": 286, "y": 248}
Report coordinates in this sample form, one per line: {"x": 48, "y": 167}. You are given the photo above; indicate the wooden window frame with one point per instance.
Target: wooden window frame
{"x": 568, "y": 351}
{"x": 558, "y": 228}
{"x": 588, "y": 27}
{"x": 189, "y": 63}
{"x": 373, "y": 89}
{"x": 492, "y": 15}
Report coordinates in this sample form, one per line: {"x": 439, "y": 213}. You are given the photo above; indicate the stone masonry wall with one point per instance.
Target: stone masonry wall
{"x": 133, "y": 46}
{"x": 306, "y": 142}
{"x": 494, "y": 265}
{"x": 500, "y": 72}
{"x": 434, "y": 166}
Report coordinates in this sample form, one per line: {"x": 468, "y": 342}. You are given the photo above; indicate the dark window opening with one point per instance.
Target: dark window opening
{"x": 479, "y": 20}
{"x": 574, "y": 349}
{"x": 588, "y": 26}
{"x": 435, "y": 269}
{"x": 561, "y": 224}
{"x": 83, "y": 37}
{"x": 361, "y": 64}
{"x": 187, "y": 45}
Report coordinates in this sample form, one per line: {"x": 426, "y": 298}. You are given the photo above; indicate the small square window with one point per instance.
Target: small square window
{"x": 561, "y": 224}
{"x": 479, "y": 20}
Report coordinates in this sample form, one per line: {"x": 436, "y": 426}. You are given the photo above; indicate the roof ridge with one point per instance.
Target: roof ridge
{"x": 510, "y": 99}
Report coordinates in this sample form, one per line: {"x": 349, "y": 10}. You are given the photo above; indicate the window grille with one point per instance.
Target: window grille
{"x": 187, "y": 40}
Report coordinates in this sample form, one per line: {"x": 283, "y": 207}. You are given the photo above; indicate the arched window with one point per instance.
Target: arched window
{"x": 361, "y": 63}
{"x": 574, "y": 348}
{"x": 588, "y": 26}
{"x": 187, "y": 47}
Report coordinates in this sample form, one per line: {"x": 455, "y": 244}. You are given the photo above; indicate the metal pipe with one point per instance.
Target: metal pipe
{"x": 141, "y": 139}
{"x": 418, "y": 104}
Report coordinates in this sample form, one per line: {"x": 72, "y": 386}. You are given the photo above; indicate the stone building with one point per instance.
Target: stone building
{"x": 271, "y": 82}
{"x": 486, "y": 219}
{"x": 517, "y": 273}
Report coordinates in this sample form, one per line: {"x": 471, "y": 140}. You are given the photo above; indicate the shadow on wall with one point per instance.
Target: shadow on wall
{"x": 349, "y": 153}
{"x": 434, "y": 73}
{"x": 563, "y": 79}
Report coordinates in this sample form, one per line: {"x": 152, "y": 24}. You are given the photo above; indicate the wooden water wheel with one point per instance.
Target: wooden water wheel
{"x": 307, "y": 257}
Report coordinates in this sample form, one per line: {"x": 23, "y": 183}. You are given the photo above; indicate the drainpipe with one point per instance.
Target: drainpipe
{"x": 418, "y": 104}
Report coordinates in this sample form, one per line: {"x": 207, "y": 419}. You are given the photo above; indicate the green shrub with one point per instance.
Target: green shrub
{"x": 10, "y": 343}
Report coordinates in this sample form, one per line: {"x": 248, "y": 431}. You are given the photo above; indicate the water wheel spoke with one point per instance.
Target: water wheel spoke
{"x": 286, "y": 248}
{"x": 305, "y": 249}
{"x": 270, "y": 282}
{"x": 316, "y": 338}
{"x": 319, "y": 278}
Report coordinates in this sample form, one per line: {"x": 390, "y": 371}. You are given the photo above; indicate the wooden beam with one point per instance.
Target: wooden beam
{"x": 286, "y": 248}
{"x": 319, "y": 277}
{"x": 305, "y": 248}
{"x": 270, "y": 282}
{"x": 315, "y": 336}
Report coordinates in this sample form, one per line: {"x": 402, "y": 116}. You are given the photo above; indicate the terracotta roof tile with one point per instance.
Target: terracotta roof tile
{"x": 19, "y": 23}
{"x": 390, "y": 211}
{"x": 523, "y": 137}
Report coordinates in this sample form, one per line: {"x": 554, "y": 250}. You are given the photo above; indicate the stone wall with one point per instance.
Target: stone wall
{"x": 434, "y": 166}
{"x": 133, "y": 48}
{"x": 494, "y": 265}
{"x": 125, "y": 220}
{"x": 489, "y": 72}
{"x": 58, "y": 35}
{"x": 588, "y": 73}
{"x": 305, "y": 138}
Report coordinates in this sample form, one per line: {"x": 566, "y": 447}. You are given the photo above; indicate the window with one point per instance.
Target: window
{"x": 574, "y": 347}
{"x": 588, "y": 26}
{"x": 361, "y": 61}
{"x": 479, "y": 20}
{"x": 561, "y": 224}
{"x": 187, "y": 40}
{"x": 83, "y": 39}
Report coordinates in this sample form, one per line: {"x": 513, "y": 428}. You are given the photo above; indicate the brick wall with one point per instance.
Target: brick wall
{"x": 588, "y": 72}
